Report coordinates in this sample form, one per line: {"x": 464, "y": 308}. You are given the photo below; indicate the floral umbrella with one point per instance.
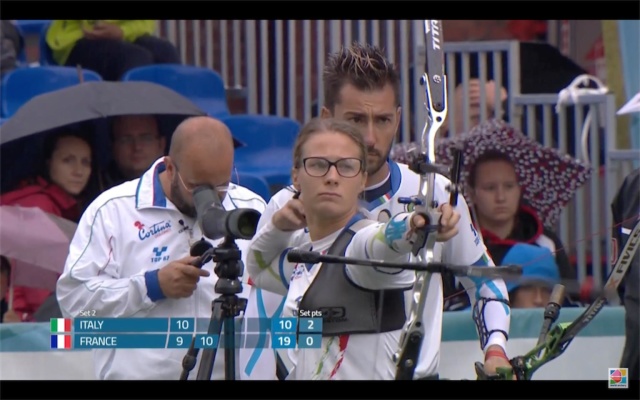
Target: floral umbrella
{"x": 548, "y": 179}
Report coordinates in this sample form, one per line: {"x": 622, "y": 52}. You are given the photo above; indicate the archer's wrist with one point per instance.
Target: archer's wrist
{"x": 495, "y": 351}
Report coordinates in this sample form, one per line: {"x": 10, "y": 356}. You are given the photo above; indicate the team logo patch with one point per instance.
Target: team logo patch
{"x": 159, "y": 254}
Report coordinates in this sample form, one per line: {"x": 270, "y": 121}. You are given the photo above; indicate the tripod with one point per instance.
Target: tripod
{"x": 224, "y": 309}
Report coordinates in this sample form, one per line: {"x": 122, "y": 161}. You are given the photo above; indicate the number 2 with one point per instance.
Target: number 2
{"x": 310, "y": 324}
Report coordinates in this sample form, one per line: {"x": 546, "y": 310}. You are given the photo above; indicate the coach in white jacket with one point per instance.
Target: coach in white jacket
{"x": 130, "y": 254}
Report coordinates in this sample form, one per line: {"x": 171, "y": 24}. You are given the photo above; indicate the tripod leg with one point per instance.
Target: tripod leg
{"x": 190, "y": 359}
{"x": 229, "y": 349}
{"x": 209, "y": 355}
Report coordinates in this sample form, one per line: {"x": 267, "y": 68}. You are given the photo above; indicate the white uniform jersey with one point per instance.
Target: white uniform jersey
{"x": 466, "y": 248}
{"x": 129, "y": 230}
{"x": 344, "y": 356}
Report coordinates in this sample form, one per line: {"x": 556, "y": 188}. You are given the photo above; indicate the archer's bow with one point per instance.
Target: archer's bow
{"x": 424, "y": 202}
{"x": 551, "y": 345}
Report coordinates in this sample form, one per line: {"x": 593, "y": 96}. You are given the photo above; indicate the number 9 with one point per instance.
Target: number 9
{"x": 179, "y": 340}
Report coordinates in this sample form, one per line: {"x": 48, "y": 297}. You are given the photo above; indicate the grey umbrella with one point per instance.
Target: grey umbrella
{"x": 91, "y": 100}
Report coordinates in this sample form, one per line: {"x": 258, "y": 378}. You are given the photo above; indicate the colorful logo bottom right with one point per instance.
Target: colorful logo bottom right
{"x": 618, "y": 378}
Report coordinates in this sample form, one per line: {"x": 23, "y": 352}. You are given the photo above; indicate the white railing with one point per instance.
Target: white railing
{"x": 276, "y": 66}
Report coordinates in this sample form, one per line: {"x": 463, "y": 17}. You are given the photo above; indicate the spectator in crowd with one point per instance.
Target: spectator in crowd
{"x": 399, "y": 152}
{"x": 539, "y": 274}
{"x": 504, "y": 219}
{"x": 136, "y": 143}
{"x": 475, "y": 112}
{"x": 626, "y": 213}
{"x": 12, "y": 44}
{"x": 60, "y": 189}
{"x": 130, "y": 254}
{"x": 109, "y": 47}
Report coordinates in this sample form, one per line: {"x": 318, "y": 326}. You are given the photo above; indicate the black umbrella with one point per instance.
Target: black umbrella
{"x": 86, "y": 103}
{"x": 92, "y": 100}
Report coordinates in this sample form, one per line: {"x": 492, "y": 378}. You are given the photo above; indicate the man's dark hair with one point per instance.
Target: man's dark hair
{"x": 361, "y": 65}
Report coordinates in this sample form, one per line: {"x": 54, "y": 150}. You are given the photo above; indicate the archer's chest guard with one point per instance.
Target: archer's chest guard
{"x": 347, "y": 308}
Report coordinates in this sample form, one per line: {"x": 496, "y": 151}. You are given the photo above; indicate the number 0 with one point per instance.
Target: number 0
{"x": 309, "y": 341}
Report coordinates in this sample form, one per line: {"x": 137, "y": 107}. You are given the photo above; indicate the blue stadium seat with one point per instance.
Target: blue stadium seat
{"x": 46, "y": 55}
{"x": 22, "y": 84}
{"x": 21, "y": 57}
{"x": 32, "y": 26}
{"x": 269, "y": 145}
{"x": 253, "y": 182}
{"x": 203, "y": 86}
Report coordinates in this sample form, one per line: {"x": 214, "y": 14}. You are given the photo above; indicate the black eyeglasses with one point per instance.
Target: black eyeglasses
{"x": 319, "y": 167}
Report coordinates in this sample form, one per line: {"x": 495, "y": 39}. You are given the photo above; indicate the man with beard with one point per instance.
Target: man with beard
{"x": 361, "y": 86}
{"x": 130, "y": 254}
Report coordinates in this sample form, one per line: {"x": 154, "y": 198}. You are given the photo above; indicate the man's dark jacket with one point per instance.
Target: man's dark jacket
{"x": 626, "y": 213}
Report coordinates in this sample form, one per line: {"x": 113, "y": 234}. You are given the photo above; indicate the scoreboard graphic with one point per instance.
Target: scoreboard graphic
{"x": 179, "y": 333}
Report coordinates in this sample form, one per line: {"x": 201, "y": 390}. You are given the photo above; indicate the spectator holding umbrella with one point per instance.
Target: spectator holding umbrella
{"x": 60, "y": 189}
{"x": 516, "y": 188}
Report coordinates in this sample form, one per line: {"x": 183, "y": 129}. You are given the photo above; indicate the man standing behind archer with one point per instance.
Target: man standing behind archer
{"x": 626, "y": 213}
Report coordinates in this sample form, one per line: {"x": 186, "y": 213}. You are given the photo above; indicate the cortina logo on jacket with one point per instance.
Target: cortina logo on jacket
{"x": 156, "y": 229}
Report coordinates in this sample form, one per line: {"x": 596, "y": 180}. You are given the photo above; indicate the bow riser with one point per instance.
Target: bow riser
{"x": 424, "y": 202}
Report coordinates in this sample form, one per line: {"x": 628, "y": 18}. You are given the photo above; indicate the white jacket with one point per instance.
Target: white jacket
{"x": 129, "y": 230}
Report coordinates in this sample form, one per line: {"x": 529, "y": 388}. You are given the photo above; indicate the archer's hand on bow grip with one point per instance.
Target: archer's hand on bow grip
{"x": 448, "y": 223}
{"x": 502, "y": 373}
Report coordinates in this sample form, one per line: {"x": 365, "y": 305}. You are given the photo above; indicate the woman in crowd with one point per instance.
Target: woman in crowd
{"x": 505, "y": 220}
{"x": 62, "y": 189}
{"x": 503, "y": 217}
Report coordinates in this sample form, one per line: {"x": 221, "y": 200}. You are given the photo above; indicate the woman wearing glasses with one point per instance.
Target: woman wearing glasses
{"x": 367, "y": 304}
